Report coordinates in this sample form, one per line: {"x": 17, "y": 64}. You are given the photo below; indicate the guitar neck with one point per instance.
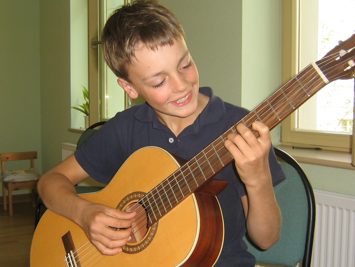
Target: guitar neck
{"x": 211, "y": 160}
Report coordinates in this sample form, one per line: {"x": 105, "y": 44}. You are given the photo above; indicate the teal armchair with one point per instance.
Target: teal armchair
{"x": 296, "y": 200}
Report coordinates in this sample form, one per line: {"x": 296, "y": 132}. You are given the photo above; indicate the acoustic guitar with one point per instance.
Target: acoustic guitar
{"x": 179, "y": 221}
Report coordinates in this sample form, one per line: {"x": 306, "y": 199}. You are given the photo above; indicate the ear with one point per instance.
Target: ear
{"x": 129, "y": 89}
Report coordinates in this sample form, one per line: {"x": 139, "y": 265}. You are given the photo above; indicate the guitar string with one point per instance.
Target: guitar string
{"x": 158, "y": 190}
{"x": 194, "y": 169}
{"x": 182, "y": 171}
{"x": 81, "y": 259}
{"x": 219, "y": 142}
{"x": 344, "y": 74}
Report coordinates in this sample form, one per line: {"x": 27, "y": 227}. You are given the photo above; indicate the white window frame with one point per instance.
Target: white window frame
{"x": 93, "y": 63}
{"x": 291, "y": 136}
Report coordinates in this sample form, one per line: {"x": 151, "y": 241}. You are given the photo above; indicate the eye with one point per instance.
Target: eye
{"x": 160, "y": 84}
{"x": 188, "y": 65}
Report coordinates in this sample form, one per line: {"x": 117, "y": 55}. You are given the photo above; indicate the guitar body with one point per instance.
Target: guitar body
{"x": 183, "y": 225}
{"x": 191, "y": 234}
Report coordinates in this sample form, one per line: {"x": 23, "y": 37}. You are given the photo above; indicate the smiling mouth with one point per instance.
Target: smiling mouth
{"x": 183, "y": 99}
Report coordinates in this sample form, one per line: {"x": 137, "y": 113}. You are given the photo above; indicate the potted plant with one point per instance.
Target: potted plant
{"x": 84, "y": 108}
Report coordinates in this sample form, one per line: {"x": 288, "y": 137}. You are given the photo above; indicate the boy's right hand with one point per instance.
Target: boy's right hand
{"x": 107, "y": 228}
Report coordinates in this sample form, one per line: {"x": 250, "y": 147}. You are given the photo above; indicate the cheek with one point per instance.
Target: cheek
{"x": 160, "y": 97}
{"x": 193, "y": 75}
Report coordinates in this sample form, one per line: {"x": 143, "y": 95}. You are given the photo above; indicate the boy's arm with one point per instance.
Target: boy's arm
{"x": 56, "y": 188}
{"x": 262, "y": 212}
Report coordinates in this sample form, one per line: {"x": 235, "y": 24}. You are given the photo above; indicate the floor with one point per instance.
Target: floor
{"x": 16, "y": 235}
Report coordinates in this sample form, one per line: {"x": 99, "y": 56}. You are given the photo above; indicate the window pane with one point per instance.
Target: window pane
{"x": 78, "y": 59}
{"x": 331, "y": 110}
{"x": 112, "y": 96}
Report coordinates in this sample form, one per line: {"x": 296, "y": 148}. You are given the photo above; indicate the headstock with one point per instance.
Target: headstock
{"x": 339, "y": 63}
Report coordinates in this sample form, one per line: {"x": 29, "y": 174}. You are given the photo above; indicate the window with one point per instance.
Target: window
{"x": 106, "y": 96}
{"x": 112, "y": 97}
{"x": 312, "y": 28}
{"x": 78, "y": 59}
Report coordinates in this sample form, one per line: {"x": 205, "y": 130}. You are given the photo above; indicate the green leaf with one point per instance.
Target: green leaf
{"x": 84, "y": 108}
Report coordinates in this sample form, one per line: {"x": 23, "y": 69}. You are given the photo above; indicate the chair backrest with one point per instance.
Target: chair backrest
{"x": 17, "y": 156}
{"x": 88, "y": 133}
{"x": 296, "y": 200}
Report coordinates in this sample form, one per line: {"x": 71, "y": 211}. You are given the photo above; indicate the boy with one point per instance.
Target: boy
{"x": 144, "y": 45}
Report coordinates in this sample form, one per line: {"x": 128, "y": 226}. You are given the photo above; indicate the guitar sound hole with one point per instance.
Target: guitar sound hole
{"x": 140, "y": 222}
{"x": 142, "y": 235}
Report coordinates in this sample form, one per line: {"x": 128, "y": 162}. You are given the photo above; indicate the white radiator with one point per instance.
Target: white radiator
{"x": 334, "y": 239}
{"x": 67, "y": 150}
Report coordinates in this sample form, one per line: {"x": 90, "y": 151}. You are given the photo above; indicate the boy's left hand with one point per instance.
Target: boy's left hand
{"x": 251, "y": 153}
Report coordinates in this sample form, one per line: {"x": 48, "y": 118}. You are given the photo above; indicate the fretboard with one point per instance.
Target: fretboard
{"x": 211, "y": 160}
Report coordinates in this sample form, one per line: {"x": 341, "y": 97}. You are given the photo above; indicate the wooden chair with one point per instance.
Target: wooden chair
{"x": 14, "y": 185}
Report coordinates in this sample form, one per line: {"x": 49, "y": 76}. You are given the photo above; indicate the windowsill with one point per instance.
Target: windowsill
{"x": 320, "y": 157}
{"x": 73, "y": 130}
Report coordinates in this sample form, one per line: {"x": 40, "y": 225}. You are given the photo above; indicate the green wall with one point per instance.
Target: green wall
{"x": 20, "y": 100}
{"x": 55, "y": 80}
{"x": 213, "y": 30}
{"x": 236, "y": 45}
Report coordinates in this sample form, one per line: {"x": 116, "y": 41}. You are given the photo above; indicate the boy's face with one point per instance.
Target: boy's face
{"x": 166, "y": 78}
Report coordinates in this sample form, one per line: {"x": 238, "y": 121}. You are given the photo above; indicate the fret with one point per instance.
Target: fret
{"x": 202, "y": 172}
{"x": 297, "y": 95}
{"x": 176, "y": 187}
{"x": 184, "y": 178}
{"x": 167, "y": 195}
{"x": 156, "y": 199}
{"x": 272, "y": 108}
{"x": 282, "y": 107}
{"x": 144, "y": 203}
{"x": 161, "y": 199}
{"x": 151, "y": 210}
{"x": 258, "y": 116}
{"x": 262, "y": 110}
{"x": 288, "y": 100}
{"x": 193, "y": 176}
{"x": 177, "y": 201}
{"x": 312, "y": 80}
{"x": 217, "y": 154}
{"x": 203, "y": 151}
{"x": 182, "y": 193}
{"x": 304, "y": 89}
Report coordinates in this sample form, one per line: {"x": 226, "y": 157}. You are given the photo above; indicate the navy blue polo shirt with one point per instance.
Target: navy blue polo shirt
{"x": 138, "y": 127}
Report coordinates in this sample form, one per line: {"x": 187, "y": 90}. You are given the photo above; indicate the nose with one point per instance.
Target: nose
{"x": 179, "y": 83}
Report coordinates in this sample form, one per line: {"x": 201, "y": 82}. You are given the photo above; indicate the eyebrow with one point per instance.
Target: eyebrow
{"x": 162, "y": 72}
